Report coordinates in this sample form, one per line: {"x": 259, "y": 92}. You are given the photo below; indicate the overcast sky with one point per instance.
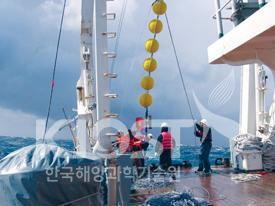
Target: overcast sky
{"x": 28, "y": 37}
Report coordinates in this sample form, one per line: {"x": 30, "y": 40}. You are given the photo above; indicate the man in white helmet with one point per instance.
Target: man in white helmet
{"x": 203, "y": 131}
{"x": 165, "y": 146}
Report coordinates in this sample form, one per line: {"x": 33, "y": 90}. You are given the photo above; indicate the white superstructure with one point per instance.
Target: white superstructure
{"x": 249, "y": 44}
{"x": 93, "y": 95}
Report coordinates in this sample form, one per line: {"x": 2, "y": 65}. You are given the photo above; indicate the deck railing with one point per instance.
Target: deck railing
{"x": 240, "y": 11}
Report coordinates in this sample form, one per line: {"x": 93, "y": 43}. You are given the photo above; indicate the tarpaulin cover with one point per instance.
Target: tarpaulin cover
{"x": 48, "y": 175}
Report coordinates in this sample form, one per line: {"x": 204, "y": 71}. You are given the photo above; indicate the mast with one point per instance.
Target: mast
{"x": 102, "y": 55}
{"x": 86, "y": 102}
{"x": 102, "y": 75}
{"x": 93, "y": 96}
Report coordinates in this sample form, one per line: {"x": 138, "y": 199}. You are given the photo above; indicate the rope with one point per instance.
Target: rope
{"x": 203, "y": 189}
{"x": 134, "y": 60}
{"x": 180, "y": 72}
{"x": 268, "y": 155}
{"x": 179, "y": 68}
{"x": 121, "y": 20}
{"x": 54, "y": 70}
{"x": 70, "y": 128}
{"x": 80, "y": 199}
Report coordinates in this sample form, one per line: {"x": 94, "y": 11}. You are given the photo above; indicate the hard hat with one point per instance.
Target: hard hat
{"x": 204, "y": 121}
{"x": 150, "y": 135}
{"x": 164, "y": 124}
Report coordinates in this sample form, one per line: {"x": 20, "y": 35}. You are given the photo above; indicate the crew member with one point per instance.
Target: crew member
{"x": 123, "y": 142}
{"x": 138, "y": 128}
{"x": 140, "y": 142}
{"x": 203, "y": 131}
{"x": 165, "y": 146}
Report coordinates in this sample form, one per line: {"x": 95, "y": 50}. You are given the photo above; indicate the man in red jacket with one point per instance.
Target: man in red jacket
{"x": 165, "y": 146}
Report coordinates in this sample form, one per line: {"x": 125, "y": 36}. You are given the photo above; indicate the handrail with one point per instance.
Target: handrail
{"x": 220, "y": 9}
{"x": 235, "y": 9}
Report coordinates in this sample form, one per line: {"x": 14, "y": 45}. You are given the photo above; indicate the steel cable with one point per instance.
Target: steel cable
{"x": 54, "y": 70}
{"x": 120, "y": 24}
{"x": 180, "y": 72}
{"x": 179, "y": 67}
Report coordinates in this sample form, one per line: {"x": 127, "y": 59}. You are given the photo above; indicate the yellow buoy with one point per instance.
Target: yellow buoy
{"x": 160, "y": 7}
{"x": 150, "y": 64}
{"x": 155, "y": 26}
{"x": 147, "y": 83}
{"x": 151, "y": 45}
{"x": 145, "y": 100}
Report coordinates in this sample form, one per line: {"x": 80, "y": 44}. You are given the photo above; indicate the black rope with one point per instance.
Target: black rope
{"x": 134, "y": 60}
{"x": 54, "y": 70}
{"x": 179, "y": 68}
{"x": 146, "y": 120}
{"x": 180, "y": 72}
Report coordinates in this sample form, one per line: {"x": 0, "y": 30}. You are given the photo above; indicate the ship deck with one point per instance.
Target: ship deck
{"x": 219, "y": 189}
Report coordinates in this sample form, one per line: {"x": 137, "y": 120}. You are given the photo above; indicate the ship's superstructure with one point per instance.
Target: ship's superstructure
{"x": 250, "y": 45}
{"x": 93, "y": 95}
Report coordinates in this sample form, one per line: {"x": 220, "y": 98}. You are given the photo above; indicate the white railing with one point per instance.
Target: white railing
{"x": 219, "y": 9}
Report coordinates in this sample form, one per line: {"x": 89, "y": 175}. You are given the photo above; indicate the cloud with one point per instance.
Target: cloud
{"x": 17, "y": 123}
{"x": 28, "y": 46}
{"x": 28, "y": 43}
{"x": 225, "y": 126}
{"x": 51, "y": 10}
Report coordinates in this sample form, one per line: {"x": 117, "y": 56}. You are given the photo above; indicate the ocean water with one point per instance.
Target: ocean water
{"x": 181, "y": 153}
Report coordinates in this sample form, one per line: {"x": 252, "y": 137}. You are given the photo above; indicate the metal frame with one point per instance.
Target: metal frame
{"x": 93, "y": 96}
{"x": 85, "y": 90}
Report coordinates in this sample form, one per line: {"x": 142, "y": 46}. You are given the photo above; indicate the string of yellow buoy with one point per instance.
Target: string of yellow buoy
{"x": 150, "y": 64}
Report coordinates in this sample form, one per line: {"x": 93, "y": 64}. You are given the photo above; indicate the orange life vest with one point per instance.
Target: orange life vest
{"x": 167, "y": 141}
{"x": 135, "y": 144}
{"x": 124, "y": 143}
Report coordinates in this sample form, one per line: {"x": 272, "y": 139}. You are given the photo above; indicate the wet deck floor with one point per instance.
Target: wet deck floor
{"x": 220, "y": 190}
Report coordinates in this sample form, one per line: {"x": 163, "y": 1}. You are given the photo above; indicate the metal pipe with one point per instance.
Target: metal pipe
{"x": 234, "y": 6}
{"x": 234, "y": 10}
{"x": 260, "y": 79}
{"x": 219, "y": 18}
{"x": 112, "y": 182}
{"x": 221, "y": 8}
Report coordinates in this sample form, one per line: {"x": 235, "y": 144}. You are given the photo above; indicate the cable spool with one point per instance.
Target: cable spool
{"x": 146, "y": 100}
{"x": 159, "y": 7}
{"x": 152, "y": 45}
{"x": 147, "y": 83}
{"x": 155, "y": 26}
{"x": 150, "y": 64}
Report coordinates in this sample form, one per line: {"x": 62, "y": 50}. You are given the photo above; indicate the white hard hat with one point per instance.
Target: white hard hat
{"x": 150, "y": 135}
{"x": 204, "y": 121}
{"x": 164, "y": 124}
